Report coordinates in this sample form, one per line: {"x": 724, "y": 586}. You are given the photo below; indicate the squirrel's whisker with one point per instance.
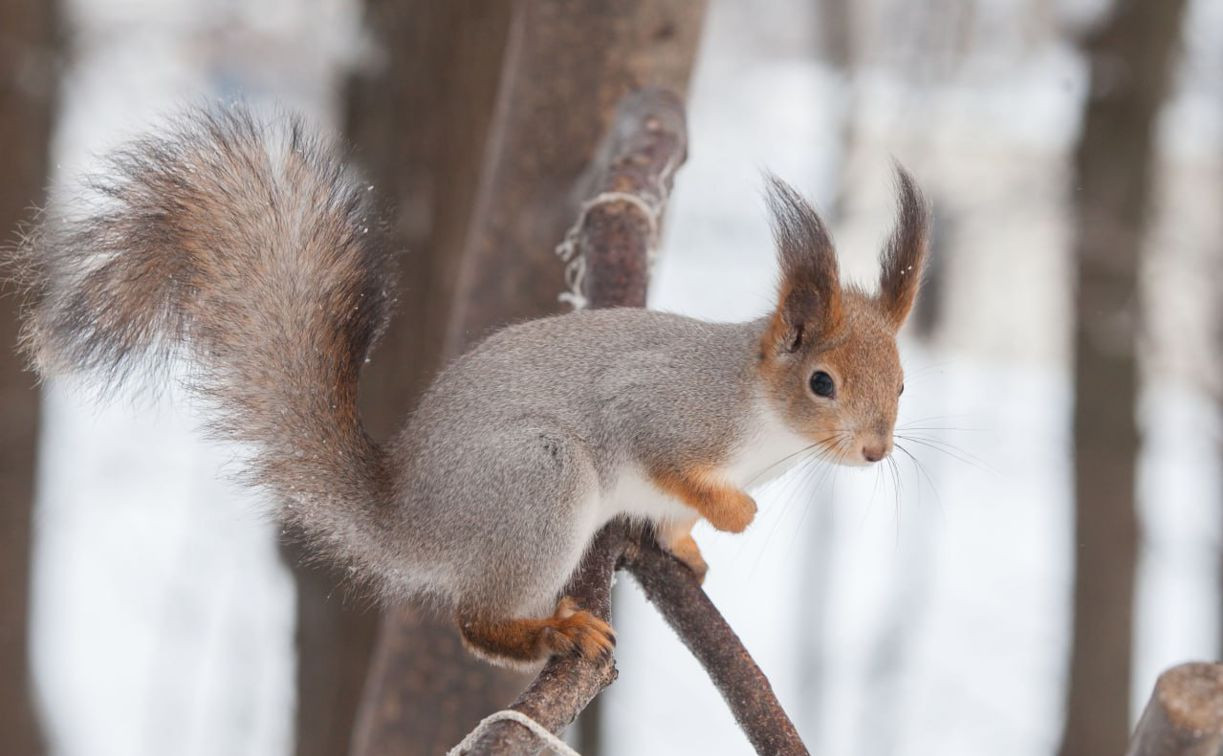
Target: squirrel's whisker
{"x": 950, "y": 450}
{"x": 921, "y": 469}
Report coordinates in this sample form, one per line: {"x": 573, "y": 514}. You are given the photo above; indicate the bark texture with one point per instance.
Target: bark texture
{"x": 28, "y": 74}
{"x": 1130, "y": 56}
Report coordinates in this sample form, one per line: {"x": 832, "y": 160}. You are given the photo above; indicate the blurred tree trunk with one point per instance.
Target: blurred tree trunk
{"x": 334, "y": 637}
{"x": 566, "y": 66}
{"x": 419, "y": 119}
{"x": 835, "y": 34}
{"x": 1130, "y": 57}
{"x": 417, "y": 116}
{"x": 510, "y": 101}
{"x": 835, "y": 48}
{"x": 1216, "y": 384}
{"x": 28, "y": 41}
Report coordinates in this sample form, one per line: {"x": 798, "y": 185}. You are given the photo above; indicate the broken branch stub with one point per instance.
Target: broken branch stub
{"x": 1185, "y": 714}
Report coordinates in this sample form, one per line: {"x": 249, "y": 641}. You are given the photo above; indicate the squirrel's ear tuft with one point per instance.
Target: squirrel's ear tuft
{"x": 904, "y": 257}
{"x": 809, "y": 304}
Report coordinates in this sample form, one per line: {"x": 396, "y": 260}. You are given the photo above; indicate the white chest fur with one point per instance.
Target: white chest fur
{"x": 769, "y": 449}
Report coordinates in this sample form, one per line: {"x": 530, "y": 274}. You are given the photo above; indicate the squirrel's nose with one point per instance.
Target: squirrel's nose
{"x": 874, "y": 452}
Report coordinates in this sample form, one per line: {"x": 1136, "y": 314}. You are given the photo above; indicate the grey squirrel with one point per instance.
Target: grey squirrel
{"x": 252, "y": 247}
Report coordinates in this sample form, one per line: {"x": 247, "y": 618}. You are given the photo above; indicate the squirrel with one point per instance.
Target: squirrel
{"x": 250, "y": 245}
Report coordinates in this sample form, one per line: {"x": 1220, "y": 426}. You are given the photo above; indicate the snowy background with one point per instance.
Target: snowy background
{"x": 929, "y": 618}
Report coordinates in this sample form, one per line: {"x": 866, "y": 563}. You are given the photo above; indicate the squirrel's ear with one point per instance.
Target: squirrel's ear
{"x": 904, "y": 257}
{"x": 809, "y": 304}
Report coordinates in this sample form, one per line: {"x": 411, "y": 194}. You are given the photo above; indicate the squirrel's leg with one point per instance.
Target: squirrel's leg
{"x": 569, "y": 630}
{"x": 727, "y": 507}
{"x": 676, "y": 537}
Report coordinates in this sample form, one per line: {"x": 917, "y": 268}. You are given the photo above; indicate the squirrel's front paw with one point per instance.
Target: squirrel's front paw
{"x": 576, "y": 631}
{"x": 732, "y": 511}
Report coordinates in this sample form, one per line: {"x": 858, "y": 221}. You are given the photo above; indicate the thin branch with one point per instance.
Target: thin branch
{"x": 671, "y": 587}
{"x": 617, "y": 228}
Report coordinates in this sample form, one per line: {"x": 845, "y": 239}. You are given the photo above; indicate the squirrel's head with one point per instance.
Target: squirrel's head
{"x": 828, "y": 357}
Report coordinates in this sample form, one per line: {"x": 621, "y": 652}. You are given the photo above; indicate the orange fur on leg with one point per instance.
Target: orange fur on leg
{"x": 521, "y": 641}
{"x": 726, "y": 507}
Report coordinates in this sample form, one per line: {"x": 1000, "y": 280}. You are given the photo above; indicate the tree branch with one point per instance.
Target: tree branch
{"x": 617, "y": 229}
{"x": 671, "y": 587}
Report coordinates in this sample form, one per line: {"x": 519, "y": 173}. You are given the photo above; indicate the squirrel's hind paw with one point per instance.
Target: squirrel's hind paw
{"x": 519, "y": 642}
{"x": 576, "y": 631}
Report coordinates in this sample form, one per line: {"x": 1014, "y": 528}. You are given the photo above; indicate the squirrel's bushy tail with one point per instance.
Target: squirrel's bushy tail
{"x": 249, "y": 246}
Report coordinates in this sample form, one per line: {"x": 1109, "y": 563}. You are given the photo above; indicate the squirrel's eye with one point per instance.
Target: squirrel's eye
{"x": 902, "y": 390}
{"x": 822, "y": 385}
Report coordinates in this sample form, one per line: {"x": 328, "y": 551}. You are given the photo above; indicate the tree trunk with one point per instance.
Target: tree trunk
{"x": 419, "y": 122}
{"x": 1130, "y": 58}
{"x": 513, "y": 98}
{"x": 416, "y": 117}
{"x": 566, "y": 65}
{"x": 334, "y": 637}
{"x": 28, "y": 37}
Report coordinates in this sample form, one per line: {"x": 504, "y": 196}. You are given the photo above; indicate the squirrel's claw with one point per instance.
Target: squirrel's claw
{"x": 576, "y": 631}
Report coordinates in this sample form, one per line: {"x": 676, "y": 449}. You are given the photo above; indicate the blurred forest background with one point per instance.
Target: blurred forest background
{"x": 1054, "y": 538}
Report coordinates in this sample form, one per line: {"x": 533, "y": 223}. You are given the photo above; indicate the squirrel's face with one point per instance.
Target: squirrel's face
{"x": 841, "y": 391}
{"x": 828, "y": 358}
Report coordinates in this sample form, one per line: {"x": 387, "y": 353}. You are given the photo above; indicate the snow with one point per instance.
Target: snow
{"x": 163, "y": 618}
